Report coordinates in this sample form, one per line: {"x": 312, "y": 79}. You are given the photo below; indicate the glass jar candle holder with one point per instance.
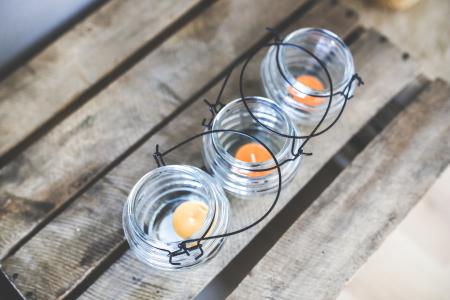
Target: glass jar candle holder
{"x": 297, "y": 81}
{"x": 236, "y": 160}
{"x": 153, "y": 224}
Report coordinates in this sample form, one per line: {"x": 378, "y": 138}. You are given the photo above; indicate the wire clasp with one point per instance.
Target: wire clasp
{"x": 214, "y": 109}
{"x": 346, "y": 91}
{"x": 158, "y": 157}
{"x": 183, "y": 249}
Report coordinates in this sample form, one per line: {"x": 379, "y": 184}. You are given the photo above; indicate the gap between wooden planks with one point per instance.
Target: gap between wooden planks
{"x": 42, "y": 180}
{"x": 354, "y": 215}
{"x": 114, "y": 233}
{"x": 82, "y": 62}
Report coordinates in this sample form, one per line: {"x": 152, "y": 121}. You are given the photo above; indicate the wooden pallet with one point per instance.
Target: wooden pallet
{"x": 84, "y": 115}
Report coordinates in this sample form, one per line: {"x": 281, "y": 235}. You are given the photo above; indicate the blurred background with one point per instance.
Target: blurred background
{"x": 27, "y": 26}
{"x": 414, "y": 262}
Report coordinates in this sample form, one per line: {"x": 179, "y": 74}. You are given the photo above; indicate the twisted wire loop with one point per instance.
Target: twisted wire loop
{"x": 213, "y": 108}
{"x": 158, "y": 157}
{"x": 275, "y": 33}
{"x": 346, "y": 91}
{"x": 298, "y": 154}
{"x": 185, "y": 247}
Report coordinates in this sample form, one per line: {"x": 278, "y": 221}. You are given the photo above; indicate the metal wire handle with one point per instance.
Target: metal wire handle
{"x": 217, "y": 105}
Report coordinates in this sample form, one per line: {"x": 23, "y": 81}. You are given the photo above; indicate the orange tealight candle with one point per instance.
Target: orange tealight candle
{"x": 252, "y": 153}
{"x": 313, "y": 83}
{"x": 188, "y": 218}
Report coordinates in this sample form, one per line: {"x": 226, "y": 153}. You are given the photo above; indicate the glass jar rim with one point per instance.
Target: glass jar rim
{"x": 133, "y": 196}
{"x": 304, "y": 88}
{"x": 246, "y": 165}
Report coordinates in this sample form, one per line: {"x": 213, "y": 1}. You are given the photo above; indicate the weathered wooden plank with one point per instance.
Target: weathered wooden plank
{"x": 91, "y": 232}
{"x": 130, "y": 279}
{"x": 416, "y": 251}
{"x": 53, "y": 170}
{"x": 58, "y": 76}
{"x": 326, "y": 245}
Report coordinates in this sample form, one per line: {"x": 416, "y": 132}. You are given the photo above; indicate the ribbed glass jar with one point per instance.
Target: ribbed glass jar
{"x": 304, "y": 90}
{"x": 147, "y": 215}
{"x": 220, "y": 149}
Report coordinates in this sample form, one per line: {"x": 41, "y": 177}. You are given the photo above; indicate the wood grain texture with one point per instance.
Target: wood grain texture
{"x": 56, "y": 77}
{"x": 53, "y": 170}
{"x": 413, "y": 261}
{"x": 334, "y": 237}
{"x": 130, "y": 279}
{"x": 76, "y": 242}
